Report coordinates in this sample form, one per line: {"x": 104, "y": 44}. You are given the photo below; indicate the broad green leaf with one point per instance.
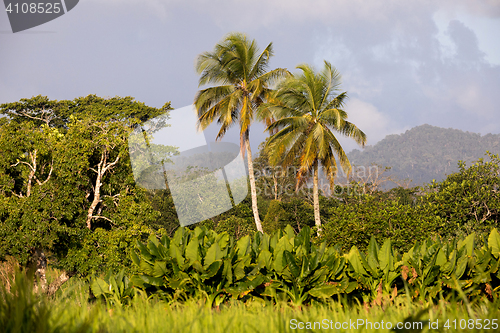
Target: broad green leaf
{"x": 146, "y": 268}
{"x": 385, "y": 257}
{"x": 243, "y": 246}
{"x": 228, "y": 272}
{"x": 135, "y": 258}
{"x": 494, "y": 243}
{"x": 222, "y": 239}
{"x": 355, "y": 261}
{"x": 175, "y": 252}
{"x": 292, "y": 265}
{"x": 279, "y": 261}
{"x": 330, "y": 289}
{"x": 372, "y": 257}
{"x": 160, "y": 269}
{"x": 153, "y": 249}
{"x": 113, "y": 285}
{"x": 441, "y": 259}
{"x": 265, "y": 259}
{"x": 99, "y": 287}
{"x": 289, "y": 232}
{"x": 212, "y": 269}
{"x": 213, "y": 253}
{"x": 192, "y": 250}
{"x": 144, "y": 251}
{"x": 239, "y": 268}
{"x": 154, "y": 281}
{"x": 468, "y": 242}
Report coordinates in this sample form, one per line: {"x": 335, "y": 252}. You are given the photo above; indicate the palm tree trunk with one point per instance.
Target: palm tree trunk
{"x": 317, "y": 219}
{"x": 253, "y": 190}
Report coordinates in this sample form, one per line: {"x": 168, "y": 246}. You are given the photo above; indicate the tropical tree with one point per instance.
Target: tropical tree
{"x": 67, "y": 192}
{"x": 309, "y": 110}
{"x": 241, "y": 83}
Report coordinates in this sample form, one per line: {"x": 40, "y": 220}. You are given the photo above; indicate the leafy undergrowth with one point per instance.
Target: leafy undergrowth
{"x": 286, "y": 266}
{"x": 72, "y": 311}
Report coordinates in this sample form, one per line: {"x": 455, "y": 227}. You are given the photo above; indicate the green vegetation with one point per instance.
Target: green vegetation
{"x": 206, "y": 281}
{"x": 242, "y": 85}
{"x": 308, "y": 111}
{"x": 76, "y": 229}
{"x": 25, "y": 312}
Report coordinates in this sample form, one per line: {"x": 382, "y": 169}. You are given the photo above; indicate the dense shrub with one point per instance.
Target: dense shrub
{"x": 469, "y": 200}
{"x": 354, "y": 224}
{"x": 296, "y": 213}
{"x": 237, "y": 227}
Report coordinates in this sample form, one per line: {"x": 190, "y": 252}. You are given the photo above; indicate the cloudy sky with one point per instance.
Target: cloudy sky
{"x": 404, "y": 63}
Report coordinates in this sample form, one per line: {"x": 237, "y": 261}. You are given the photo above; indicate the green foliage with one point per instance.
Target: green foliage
{"x": 66, "y": 184}
{"x": 287, "y": 266}
{"x": 294, "y": 212}
{"x": 71, "y": 311}
{"x": 114, "y": 289}
{"x": 237, "y": 227}
{"x": 196, "y": 263}
{"x": 239, "y": 83}
{"x": 275, "y": 217}
{"x": 22, "y": 310}
{"x": 308, "y": 108}
{"x": 355, "y": 223}
{"x": 469, "y": 200}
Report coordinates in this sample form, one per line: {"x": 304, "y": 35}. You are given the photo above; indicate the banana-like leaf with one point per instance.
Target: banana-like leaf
{"x": 142, "y": 280}
{"x": 385, "y": 257}
{"x": 355, "y": 261}
{"x": 192, "y": 251}
{"x": 213, "y": 253}
{"x": 144, "y": 251}
{"x": 265, "y": 259}
{"x": 292, "y": 265}
{"x": 176, "y": 252}
{"x": 468, "y": 243}
{"x": 372, "y": 257}
{"x": 328, "y": 290}
{"x": 494, "y": 243}
{"x": 99, "y": 287}
{"x": 279, "y": 261}
{"x": 135, "y": 258}
{"x": 153, "y": 249}
{"x": 239, "y": 268}
{"x": 243, "y": 246}
{"x": 289, "y": 232}
{"x": 160, "y": 269}
{"x": 212, "y": 270}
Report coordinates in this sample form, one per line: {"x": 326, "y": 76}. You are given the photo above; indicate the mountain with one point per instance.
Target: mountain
{"x": 426, "y": 152}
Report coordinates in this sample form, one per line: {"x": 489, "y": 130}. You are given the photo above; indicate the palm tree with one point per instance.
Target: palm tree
{"x": 308, "y": 109}
{"x": 241, "y": 83}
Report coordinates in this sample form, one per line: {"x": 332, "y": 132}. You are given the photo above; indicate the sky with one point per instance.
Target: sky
{"x": 403, "y": 63}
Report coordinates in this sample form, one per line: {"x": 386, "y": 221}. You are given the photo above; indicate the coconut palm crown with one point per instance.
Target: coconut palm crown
{"x": 241, "y": 82}
{"x": 309, "y": 111}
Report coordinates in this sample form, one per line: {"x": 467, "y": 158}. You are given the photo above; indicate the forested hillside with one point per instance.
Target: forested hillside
{"x": 426, "y": 152}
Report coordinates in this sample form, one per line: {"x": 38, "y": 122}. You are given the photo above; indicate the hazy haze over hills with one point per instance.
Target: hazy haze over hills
{"x": 426, "y": 152}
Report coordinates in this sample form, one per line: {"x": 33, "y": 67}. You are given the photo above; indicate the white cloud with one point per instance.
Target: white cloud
{"x": 375, "y": 124}
{"x": 370, "y": 120}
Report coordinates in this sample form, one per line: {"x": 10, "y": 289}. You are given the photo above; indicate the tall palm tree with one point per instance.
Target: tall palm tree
{"x": 241, "y": 83}
{"x": 309, "y": 111}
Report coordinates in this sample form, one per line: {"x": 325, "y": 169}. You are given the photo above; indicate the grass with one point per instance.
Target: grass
{"x": 71, "y": 311}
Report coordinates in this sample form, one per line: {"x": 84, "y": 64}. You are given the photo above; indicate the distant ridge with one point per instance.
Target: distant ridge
{"x": 426, "y": 152}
